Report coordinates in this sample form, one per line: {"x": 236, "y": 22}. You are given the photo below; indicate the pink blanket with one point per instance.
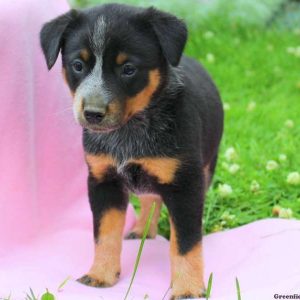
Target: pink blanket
{"x": 45, "y": 232}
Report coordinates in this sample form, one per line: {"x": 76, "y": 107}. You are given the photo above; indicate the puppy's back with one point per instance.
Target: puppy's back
{"x": 203, "y": 104}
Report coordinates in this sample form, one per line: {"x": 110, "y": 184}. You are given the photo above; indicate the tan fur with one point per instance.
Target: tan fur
{"x": 206, "y": 173}
{"x": 146, "y": 204}
{"x": 121, "y": 58}
{"x": 163, "y": 168}
{"x": 64, "y": 73}
{"x": 81, "y": 107}
{"x": 114, "y": 108}
{"x": 99, "y": 164}
{"x": 142, "y": 99}
{"x": 85, "y": 55}
{"x": 107, "y": 267}
{"x": 187, "y": 270}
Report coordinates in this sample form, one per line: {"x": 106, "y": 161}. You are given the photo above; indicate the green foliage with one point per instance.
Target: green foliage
{"x": 238, "y": 289}
{"x": 209, "y": 286}
{"x": 60, "y": 287}
{"x": 31, "y": 295}
{"x": 47, "y": 296}
{"x": 256, "y": 68}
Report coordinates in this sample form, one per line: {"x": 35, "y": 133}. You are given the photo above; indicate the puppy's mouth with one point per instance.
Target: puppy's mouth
{"x": 102, "y": 129}
{"x": 106, "y": 127}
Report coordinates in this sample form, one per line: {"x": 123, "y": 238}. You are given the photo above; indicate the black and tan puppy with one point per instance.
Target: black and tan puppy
{"x": 152, "y": 123}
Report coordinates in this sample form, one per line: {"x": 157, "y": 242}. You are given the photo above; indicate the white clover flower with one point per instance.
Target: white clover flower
{"x": 290, "y": 50}
{"x": 230, "y": 154}
{"x": 249, "y": 73}
{"x": 208, "y": 35}
{"x": 282, "y": 157}
{"x": 210, "y": 57}
{"x": 226, "y": 106}
{"x": 270, "y": 47}
{"x": 224, "y": 190}
{"x": 297, "y": 31}
{"x": 276, "y": 210}
{"x": 225, "y": 165}
{"x": 254, "y": 186}
{"x": 277, "y": 70}
{"x": 293, "y": 178}
{"x": 297, "y": 52}
{"x": 285, "y": 213}
{"x": 289, "y": 123}
{"x": 271, "y": 165}
{"x": 233, "y": 169}
{"x": 227, "y": 217}
{"x": 251, "y": 106}
{"x": 237, "y": 41}
{"x": 217, "y": 227}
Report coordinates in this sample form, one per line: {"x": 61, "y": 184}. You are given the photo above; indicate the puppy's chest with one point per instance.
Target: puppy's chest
{"x": 138, "y": 174}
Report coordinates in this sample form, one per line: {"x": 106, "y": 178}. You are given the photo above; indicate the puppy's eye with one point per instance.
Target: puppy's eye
{"x": 77, "y": 66}
{"x": 128, "y": 70}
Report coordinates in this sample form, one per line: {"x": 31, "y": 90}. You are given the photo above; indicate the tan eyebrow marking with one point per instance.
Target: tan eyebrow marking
{"x": 121, "y": 58}
{"x": 85, "y": 54}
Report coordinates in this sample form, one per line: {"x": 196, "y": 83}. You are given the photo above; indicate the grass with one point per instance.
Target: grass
{"x": 259, "y": 81}
{"x": 137, "y": 261}
{"x": 209, "y": 286}
{"x": 257, "y": 73}
{"x": 238, "y": 289}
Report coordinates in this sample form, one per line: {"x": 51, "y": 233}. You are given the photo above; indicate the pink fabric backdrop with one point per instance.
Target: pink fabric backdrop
{"x": 43, "y": 174}
{"x": 45, "y": 229}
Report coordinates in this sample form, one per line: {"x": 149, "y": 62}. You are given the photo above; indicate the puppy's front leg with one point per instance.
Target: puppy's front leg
{"x": 108, "y": 200}
{"x": 184, "y": 200}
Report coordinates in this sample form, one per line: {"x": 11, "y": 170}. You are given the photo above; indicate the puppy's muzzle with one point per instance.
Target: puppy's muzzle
{"x": 93, "y": 114}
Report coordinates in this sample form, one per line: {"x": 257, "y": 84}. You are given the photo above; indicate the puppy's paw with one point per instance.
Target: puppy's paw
{"x": 187, "y": 296}
{"x": 91, "y": 280}
{"x": 133, "y": 235}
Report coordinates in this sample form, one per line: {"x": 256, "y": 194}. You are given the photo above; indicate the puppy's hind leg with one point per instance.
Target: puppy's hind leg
{"x": 146, "y": 203}
{"x": 209, "y": 171}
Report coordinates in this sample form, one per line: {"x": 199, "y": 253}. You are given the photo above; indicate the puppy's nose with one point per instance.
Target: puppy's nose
{"x": 93, "y": 116}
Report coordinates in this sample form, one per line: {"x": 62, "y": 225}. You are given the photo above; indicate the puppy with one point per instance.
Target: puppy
{"x": 152, "y": 122}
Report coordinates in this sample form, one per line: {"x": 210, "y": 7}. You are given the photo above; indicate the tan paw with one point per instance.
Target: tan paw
{"x": 90, "y": 280}
{"x": 187, "y": 296}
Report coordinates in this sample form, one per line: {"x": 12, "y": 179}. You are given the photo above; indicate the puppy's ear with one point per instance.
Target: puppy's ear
{"x": 51, "y": 36}
{"x": 170, "y": 31}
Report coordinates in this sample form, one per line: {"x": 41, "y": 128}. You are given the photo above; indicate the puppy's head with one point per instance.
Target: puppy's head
{"x": 114, "y": 58}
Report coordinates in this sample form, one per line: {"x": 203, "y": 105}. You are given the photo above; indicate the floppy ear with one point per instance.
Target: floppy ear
{"x": 51, "y": 36}
{"x": 170, "y": 31}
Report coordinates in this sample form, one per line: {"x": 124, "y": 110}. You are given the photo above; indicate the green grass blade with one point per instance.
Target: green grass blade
{"x": 137, "y": 261}
{"x": 7, "y": 298}
{"x": 59, "y": 289}
{"x": 209, "y": 286}
{"x": 238, "y": 289}
{"x": 32, "y": 295}
{"x": 166, "y": 293}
